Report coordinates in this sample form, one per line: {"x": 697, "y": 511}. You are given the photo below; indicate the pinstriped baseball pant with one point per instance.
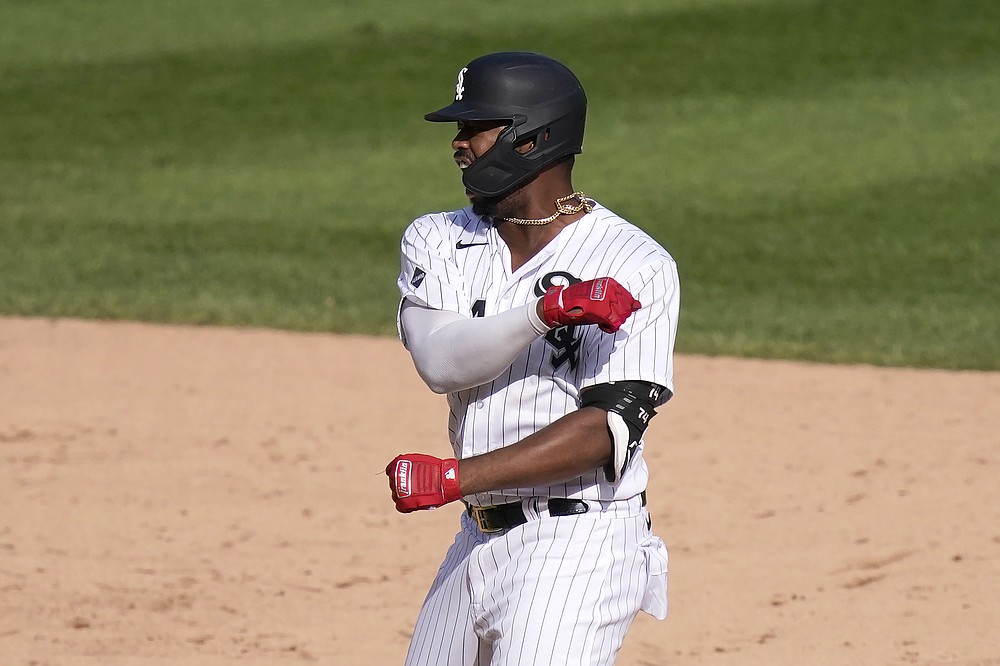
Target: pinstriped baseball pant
{"x": 556, "y": 591}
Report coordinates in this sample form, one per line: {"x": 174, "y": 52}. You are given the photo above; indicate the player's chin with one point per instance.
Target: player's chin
{"x": 481, "y": 205}
{"x": 470, "y": 195}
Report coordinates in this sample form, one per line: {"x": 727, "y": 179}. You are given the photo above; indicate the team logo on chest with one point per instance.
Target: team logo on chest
{"x": 565, "y": 341}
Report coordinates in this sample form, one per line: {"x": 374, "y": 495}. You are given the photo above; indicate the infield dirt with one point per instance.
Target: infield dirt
{"x": 182, "y": 495}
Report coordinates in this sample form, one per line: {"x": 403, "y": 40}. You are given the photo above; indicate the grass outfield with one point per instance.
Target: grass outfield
{"x": 825, "y": 172}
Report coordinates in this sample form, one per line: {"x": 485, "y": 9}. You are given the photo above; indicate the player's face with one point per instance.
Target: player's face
{"x": 474, "y": 138}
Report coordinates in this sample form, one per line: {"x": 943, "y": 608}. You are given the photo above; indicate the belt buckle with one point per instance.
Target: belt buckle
{"x": 477, "y": 516}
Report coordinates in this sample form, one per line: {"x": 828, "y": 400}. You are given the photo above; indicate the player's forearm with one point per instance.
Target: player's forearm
{"x": 452, "y": 352}
{"x": 575, "y": 444}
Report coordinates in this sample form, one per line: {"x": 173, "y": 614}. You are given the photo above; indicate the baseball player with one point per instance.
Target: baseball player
{"x": 549, "y": 322}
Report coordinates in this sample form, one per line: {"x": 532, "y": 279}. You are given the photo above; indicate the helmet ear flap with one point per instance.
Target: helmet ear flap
{"x": 499, "y": 169}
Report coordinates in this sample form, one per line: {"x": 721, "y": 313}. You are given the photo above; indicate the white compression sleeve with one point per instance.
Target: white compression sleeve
{"x": 452, "y": 352}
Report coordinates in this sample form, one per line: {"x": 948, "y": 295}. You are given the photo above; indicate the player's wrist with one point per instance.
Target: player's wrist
{"x": 536, "y": 317}
{"x": 451, "y": 487}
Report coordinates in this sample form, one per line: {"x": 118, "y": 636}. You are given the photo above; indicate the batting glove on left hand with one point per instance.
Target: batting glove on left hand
{"x": 603, "y": 301}
{"x": 420, "y": 481}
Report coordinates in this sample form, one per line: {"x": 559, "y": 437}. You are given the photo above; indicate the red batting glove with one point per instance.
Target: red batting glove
{"x": 602, "y": 301}
{"x": 419, "y": 481}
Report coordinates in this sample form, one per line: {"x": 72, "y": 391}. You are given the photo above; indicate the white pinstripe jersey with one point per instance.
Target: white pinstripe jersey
{"x": 456, "y": 261}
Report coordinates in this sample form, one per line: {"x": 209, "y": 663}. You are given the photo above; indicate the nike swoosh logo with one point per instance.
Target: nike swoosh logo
{"x": 461, "y": 246}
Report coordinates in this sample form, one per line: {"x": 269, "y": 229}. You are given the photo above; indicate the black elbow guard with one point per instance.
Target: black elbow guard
{"x": 630, "y": 406}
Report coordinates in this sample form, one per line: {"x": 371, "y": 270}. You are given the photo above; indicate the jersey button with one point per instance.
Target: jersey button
{"x": 480, "y": 404}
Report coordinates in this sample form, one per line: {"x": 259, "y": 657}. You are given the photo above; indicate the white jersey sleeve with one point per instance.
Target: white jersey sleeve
{"x": 642, "y": 350}
{"x": 429, "y": 274}
{"x": 452, "y": 352}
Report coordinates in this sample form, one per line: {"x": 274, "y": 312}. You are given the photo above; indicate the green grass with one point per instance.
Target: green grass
{"x": 825, "y": 172}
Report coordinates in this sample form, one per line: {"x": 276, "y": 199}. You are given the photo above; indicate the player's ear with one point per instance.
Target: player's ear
{"x": 526, "y": 147}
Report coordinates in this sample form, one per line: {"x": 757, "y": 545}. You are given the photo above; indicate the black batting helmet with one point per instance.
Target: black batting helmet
{"x": 541, "y": 99}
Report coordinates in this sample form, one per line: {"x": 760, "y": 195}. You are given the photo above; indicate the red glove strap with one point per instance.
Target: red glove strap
{"x": 450, "y": 488}
{"x": 552, "y": 306}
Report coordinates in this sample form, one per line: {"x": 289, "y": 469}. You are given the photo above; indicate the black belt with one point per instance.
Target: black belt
{"x": 505, "y": 516}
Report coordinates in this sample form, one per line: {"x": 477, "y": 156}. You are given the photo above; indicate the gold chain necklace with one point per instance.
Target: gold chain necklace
{"x": 562, "y": 208}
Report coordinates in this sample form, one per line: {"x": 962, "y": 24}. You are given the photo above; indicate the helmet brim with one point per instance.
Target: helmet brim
{"x": 459, "y": 110}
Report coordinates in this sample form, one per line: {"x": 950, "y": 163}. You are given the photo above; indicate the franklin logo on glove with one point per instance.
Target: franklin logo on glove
{"x": 403, "y": 478}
